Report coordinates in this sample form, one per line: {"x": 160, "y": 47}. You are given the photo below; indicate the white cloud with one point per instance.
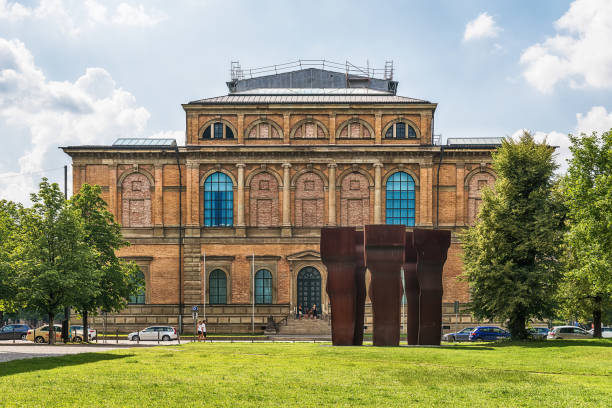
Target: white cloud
{"x": 483, "y": 26}
{"x": 90, "y": 110}
{"x": 598, "y": 119}
{"x": 579, "y": 53}
{"x": 178, "y": 135}
{"x": 136, "y": 16}
{"x": 13, "y": 11}
{"x": 73, "y": 17}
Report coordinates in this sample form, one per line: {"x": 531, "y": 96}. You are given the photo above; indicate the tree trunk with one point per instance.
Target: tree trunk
{"x": 597, "y": 318}
{"x": 51, "y": 329}
{"x": 85, "y": 330}
{"x": 1, "y": 317}
{"x": 516, "y": 325}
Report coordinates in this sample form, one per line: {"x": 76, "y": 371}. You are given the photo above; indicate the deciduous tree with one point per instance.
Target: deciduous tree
{"x": 511, "y": 254}
{"x": 586, "y": 288}
{"x": 53, "y": 261}
{"x": 113, "y": 279}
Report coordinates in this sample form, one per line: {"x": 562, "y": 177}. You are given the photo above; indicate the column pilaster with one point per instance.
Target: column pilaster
{"x": 332, "y": 194}
{"x": 240, "y": 225}
{"x": 378, "y": 193}
{"x": 286, "y": 227}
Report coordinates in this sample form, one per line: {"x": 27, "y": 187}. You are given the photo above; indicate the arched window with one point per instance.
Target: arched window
{"x": 400, "y": 130}
{"x": 263, "y": 287}
{"x": 136, "y": 201}
{"x": 400, "y": 199}
{"x": 309, "y": 129}
{"x": 139, "y": 298}
{"x": 263, "y": 129}
{"x": 217, "y": 130}
{"x": 218, "y": 201}
{"x": 217, "y": 287}
{"x": 354, "y": 129}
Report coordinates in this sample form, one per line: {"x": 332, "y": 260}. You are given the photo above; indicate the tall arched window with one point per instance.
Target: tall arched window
{"x": 139, "y": 298}
{"x": 218, "y": 201}
{"x": 217, "y": 286}
{"x": 263, "y": 287}
{"x": 400, "y": 199}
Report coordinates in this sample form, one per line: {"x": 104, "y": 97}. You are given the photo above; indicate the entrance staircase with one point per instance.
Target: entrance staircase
{"x": 305, "y": 329}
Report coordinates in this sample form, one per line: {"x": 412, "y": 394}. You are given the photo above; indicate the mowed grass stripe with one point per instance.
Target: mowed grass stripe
{"x": 314, "y": 375}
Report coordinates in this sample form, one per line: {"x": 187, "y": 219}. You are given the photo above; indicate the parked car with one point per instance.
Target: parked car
{"x": 488, "y": 333}
{"x": 14, "y": 331}
{"x": 461, "y": 335}
{"x": 165, "y": 333}
{"x": 41, "y": 334}
{"x": 77, "y": 333}
{"x": 568, "y": 332}
{"x": 606, "y": 332}
{"x": 538, "y": 333}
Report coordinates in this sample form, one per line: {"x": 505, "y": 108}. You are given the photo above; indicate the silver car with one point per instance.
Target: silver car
{"x": 568, "y": 332}
{"x": 165, "y": 333}
{"x": 606, "y": 332}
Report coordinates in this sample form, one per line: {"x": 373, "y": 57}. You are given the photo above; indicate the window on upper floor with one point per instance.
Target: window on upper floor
{"x": 355, "y": 129}
{"x": 400, "y": 130}
{"x": 263, "y": 129}
{"x": 218, "y": 201}
{"x": 138, "y": 298}
{"x": 217, "y": 130}
{"x": 309, "y": 129}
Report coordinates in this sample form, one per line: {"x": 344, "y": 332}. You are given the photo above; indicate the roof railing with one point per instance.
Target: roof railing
{"x": 237, "y": 73}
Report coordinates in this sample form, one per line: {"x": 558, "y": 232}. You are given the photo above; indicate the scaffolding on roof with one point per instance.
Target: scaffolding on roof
{"x": 351, "y": 70}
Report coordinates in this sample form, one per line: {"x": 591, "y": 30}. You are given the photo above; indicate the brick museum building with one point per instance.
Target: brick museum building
{"x": 231, "y": 219}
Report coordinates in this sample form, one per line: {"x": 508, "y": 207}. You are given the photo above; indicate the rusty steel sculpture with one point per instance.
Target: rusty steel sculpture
{"x": 384, "y": 256}
{"x": 360, "y": 288}
{"x": 432, "y": 249}
{"x": 338, "y": 255}
{"x": 385, "y": 250}
{"x": 411, "y": 287}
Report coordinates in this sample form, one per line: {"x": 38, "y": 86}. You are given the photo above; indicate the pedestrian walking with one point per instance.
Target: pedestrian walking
{"x": 200, "y": 330}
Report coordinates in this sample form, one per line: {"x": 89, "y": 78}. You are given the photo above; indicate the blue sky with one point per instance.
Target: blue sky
{"x": 87, "y": 72}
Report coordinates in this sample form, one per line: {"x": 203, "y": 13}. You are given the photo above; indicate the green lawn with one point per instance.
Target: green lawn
{"x": 549, "y": 374}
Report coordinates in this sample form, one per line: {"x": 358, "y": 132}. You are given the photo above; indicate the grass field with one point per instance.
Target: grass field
{"x": 550, "y": 374}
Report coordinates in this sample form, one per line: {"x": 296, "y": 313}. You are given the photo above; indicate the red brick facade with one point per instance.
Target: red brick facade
{"x": 294, "y": 168}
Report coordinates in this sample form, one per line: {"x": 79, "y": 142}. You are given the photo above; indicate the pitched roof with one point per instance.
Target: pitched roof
{"x": 301, "y": 98}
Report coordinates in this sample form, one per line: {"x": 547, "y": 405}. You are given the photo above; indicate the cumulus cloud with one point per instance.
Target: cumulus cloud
{"x": 126, "y": 14}
{"x": 74, "y": 17}
{"x": 90, "y": 110}
{"x": 483, "y": 26}
{"x": 579, "y": 53}
{"x": 598, "y": 119}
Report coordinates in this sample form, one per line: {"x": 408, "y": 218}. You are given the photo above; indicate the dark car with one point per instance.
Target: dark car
{"x": 14, "y": 331}
{"x": 461, "y": 335}
{"x": 488, "y": 333}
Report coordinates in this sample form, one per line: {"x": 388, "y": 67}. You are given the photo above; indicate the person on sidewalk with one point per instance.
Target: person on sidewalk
{"x": 203, "y": 327}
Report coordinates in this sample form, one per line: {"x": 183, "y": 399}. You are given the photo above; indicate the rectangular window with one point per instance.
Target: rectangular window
{"x": 218, "y": 130}
{"x": 400, "y": 130}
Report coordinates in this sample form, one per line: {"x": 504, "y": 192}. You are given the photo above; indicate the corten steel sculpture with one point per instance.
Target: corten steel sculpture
{"x": 411, "y": 286}
{"x": 360, "y": 289}
{"x": 338, "y": 255}
{"x": 384, "y": 255}
{"x": 432, "y": 248}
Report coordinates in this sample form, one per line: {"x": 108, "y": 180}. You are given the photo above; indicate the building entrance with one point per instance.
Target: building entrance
{"x": 309, "y": 289}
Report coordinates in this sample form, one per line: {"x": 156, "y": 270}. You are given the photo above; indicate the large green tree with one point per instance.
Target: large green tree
{"x": 9, "y": 225}
{"x": 586, "y": 289}
{"x": 511, "y": 254}
{"x": 113, "y": 279}
{"x": 54, "y": 263}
